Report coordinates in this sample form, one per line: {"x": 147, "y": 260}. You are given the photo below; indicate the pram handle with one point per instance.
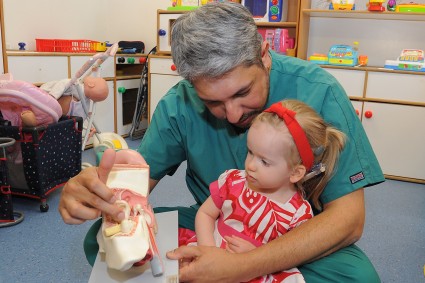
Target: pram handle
{"x": 92, "y": 64}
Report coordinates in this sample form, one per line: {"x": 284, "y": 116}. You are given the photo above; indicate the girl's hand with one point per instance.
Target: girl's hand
{"x": 238, "y": 245}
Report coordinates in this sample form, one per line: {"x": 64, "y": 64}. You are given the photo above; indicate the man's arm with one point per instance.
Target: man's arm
{"x": 339, "y": 225}
{"x": 85, "y": 196}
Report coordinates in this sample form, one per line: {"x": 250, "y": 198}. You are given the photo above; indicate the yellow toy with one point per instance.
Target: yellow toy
{"x": 342, "y": 5}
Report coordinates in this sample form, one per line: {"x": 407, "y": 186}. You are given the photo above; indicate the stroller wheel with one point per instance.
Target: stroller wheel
{"x": 18, "y": 216}
{"x": 44, "y": 207}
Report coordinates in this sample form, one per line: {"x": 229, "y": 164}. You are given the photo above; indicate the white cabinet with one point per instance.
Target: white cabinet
{"x": 165, "y": 21}
{"x": 104, "y": 117}
{"x": 391, "y": 106}
{"x": 351, "y": 80}
{"x": 38, "y": 69}
{"x": 126, "y": 95}
{"x": 409, "y": 87}
{"x": 162, "y": 77}
{"x": 396, "y": 138}
{"x": 106, "y": 69}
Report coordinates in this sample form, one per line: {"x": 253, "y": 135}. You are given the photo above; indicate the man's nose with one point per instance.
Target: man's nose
{"x": 233, "y": 112}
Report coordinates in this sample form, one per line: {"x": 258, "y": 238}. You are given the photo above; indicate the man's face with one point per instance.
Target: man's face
{"x": 238, "y": 97}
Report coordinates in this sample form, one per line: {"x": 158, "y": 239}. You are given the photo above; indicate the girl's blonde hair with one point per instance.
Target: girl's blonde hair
{"x": 325, "y": 141}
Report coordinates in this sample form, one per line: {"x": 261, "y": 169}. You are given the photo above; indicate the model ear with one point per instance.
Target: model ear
{"x": 297, "y": 174}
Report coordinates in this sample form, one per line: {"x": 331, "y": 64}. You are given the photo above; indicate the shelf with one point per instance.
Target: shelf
{"x": 365, "y": 15}
{"x": 373, "y": 69}
{"x": 277, "y": 24}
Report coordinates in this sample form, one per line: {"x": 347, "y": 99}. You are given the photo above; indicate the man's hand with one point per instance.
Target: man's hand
{"x": 204, "y": 264}
{"x": 85, "y": 196}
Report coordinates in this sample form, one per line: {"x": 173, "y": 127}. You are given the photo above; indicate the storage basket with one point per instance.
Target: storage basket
{"x": 66, "y": 45}
{"x": 44, "y": 157}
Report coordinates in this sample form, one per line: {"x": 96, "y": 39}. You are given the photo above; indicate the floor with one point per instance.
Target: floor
{"x": 44, "y": 249}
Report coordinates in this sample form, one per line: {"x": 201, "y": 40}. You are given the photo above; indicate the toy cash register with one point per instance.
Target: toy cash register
{"x": 342, "y": 55}
{"x": 409, "y": 60}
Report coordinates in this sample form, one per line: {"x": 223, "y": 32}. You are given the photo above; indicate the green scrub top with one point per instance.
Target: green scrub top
{"x": 182, "y": 129}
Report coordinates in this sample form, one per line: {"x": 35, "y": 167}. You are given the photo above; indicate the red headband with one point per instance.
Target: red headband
{"x": 300, "y": 139}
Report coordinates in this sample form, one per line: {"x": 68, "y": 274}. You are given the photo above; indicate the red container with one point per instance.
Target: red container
{"x": 65, "y": 45}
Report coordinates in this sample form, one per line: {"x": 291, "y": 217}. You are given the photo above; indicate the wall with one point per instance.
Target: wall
{"x": 101, "y": 20}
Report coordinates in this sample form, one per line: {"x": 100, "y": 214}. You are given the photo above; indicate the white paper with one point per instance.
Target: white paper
{"x": 166, "y": 239}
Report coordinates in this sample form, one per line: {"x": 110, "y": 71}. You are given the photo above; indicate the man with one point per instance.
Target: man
{"x": 231, "y": 76}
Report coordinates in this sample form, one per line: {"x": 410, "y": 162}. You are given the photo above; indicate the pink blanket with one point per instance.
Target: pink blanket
{"x": 17, "y": 97}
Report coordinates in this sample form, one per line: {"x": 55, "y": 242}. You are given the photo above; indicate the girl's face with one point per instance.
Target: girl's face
{"x": 266, "y": 166}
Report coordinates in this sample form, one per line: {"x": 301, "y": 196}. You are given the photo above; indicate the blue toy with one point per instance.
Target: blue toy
{"x": 267, "y": 10}
{"x": 342, "y": 55}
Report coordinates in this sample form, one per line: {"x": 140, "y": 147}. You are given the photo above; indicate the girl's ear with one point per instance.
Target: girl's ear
{"x": 297, "y": 174}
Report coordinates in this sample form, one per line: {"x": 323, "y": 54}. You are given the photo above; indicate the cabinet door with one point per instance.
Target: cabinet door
{"x": 358, "y": 107}
{"x": 162, "y": 77}
{"x": 38, "y": 69}
{"x": 126, "y": 97}
{"x": 396, "y": 86}
{"x": 106, "y": 69}
{"x": 396, "y": 139}
{"x": 160, "y": 84}
{"x": 104, "y": 117}
{"x": 351, "y": 80}
{"x": 165, "y": 22}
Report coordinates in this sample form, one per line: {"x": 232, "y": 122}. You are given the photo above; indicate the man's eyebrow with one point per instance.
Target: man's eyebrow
{"x": 242, "y": 91}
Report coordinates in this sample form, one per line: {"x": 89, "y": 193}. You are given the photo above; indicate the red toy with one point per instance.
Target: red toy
{"x": 376, "y": 5}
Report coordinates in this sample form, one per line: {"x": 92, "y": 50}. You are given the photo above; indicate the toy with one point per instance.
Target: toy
{"x": 319, "y": 58}
{"x": 391, "y": 5}
{"x": 342, "y": 5}
{"x": 267, "y": 10}
{"x": 278, "y": 39}
{"x": 410, "y": 8}
{"x": 22, "y": 45}
{"x": 342, "y": 55}
{"x": 132, "y": 241}
{"x": 24, "y": 104}
{"x": 409, "y": 60}
{"x": 95, "y": 88}
{"x": 376, "y": 5}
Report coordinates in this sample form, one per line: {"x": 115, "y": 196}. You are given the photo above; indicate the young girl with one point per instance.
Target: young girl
{"x": 292, "y": 154}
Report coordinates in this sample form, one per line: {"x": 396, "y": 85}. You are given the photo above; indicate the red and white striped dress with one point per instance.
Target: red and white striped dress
{"x": 256, "y": 218}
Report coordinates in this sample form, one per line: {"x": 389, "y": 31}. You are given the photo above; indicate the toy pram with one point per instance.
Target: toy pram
{"x": 8, "y": 217}
{"x": 44, "y": 157}
{"x": 48, "y": 144}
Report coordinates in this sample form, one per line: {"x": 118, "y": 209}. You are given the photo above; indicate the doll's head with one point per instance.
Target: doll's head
{"x": 95, "y": 88}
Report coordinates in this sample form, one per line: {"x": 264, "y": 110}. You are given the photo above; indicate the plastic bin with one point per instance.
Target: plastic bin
{"x": 66, "y": 45}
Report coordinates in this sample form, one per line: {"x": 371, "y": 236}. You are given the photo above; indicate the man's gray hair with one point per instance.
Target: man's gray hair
{"x": 214, "y": 39}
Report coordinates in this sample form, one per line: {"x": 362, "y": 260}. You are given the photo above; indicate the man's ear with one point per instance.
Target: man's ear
{"x": 265, "y": 54}
{"x": 265, "y": 48}
{"x": 297, "y": 174}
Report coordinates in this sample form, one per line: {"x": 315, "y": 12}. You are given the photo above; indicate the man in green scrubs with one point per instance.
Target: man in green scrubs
{"x": 231, "y": 75}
